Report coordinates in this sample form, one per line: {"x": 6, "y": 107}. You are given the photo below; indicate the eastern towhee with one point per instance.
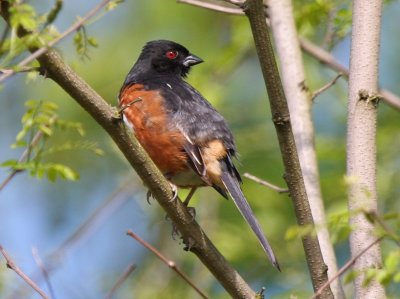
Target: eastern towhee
{"x": 186, "y": 137}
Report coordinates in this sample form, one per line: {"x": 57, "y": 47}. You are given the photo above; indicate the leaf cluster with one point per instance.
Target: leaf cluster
{"x": 39, "y": 123}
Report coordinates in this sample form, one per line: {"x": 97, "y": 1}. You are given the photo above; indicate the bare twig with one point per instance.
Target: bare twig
{"x": 11, "y": 265}
{"x": 213, "y": 6}
{"x": 329, "y": 60}
{"x": 169, "y": 263}
{"x": 345, "y": 268}
{"x": 265, "y": 183}
{"x": 24, "y": 69}
{"x": 121, "y": 280}
{"x": 325, "y": 87}
{"x": 35, "y": 140}
{"x": 78, "y": 24}
{"x": 44, "y": 271}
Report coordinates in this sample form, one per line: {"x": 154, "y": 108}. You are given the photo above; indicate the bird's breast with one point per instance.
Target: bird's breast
{"x": 144, "y": 111}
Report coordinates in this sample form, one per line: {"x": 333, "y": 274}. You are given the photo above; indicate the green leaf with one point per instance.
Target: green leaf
{"x": 19, "y": 143}
{"x": 46, "y": 130}
{"x": 93, "y": 42}
{"x": 51, "y": 174}
{"x": 350, "y": 276}
{"x": 23, "y": 15}
{"x": 392, "y": 261}
{"x": 21, "y": 135}
{"x": 66, "y": 172}
{"x": 113, "y": 4}
{"x": 296, "y": 231}
{"x": 9, "y": 163}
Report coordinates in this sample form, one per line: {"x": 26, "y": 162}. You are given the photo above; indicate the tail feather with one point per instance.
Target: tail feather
{"x": 233, "y": 188}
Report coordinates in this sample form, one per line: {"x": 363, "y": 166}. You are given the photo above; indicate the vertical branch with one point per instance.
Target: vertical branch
{"x": 298, "y": 97}
{"x": 255, "y": 12}
{"x": 361, "y": 138}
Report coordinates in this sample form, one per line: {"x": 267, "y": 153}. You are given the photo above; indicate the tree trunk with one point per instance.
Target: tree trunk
{"x": 299, "y": 101}
{"x": 361, "y": 143}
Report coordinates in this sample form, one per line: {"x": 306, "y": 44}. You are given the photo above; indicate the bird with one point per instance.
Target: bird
{"x": 188, "y": 140}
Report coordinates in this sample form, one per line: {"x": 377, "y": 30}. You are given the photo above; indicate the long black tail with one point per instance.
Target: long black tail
{"x": 232, "y": 186}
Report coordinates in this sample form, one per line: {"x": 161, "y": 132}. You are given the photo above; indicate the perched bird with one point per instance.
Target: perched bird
{"x": 188, "y": 140}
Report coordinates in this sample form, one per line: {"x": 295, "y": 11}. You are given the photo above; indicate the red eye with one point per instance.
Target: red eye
{"x": 171, "y": 54}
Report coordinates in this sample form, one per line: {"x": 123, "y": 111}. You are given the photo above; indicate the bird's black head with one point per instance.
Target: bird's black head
{"x": 163, "y": 57}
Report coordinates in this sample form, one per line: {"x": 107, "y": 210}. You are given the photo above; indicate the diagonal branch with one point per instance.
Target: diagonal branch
{"x": 124, "y": 276}
{"x": 345, "y": 267}
{"x": 107, "y": 117}
{"x": 169, "y": 263}
{"x": 13, "y": 266}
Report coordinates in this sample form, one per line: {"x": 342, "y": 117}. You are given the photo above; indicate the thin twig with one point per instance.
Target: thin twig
{"x": 121, "y": 280}
{"x": 35, "y": 140}
{"x": 24, "y": 69}
{"x": 213, "y": 6}
{"x": 11, "y": 265}
{"x": 169, "y": 263}
{"x": 124, "y": 107}
{"x": 345, "y": 268}
{"x": 329, "y": 60}
{"x": 44, "y": 271}
{"x": 325, "y": 87}
{"x": 265, "y": 183}
{"x": 376, "y": 217}
{"x": 78, "y": 24}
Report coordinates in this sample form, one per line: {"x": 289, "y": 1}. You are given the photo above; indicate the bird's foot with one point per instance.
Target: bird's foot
{"x": 189, "y": 243}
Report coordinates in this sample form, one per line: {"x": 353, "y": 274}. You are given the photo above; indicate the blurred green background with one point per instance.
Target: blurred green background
{"x": 43, "y": 214}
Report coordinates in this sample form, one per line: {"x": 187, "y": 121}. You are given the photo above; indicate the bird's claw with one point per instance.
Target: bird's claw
{"x": 174, "y": 192}
{"x": 149, "y": 195}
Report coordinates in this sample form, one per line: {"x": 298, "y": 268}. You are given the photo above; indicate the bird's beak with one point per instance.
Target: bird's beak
{"x": 192, "y": 60}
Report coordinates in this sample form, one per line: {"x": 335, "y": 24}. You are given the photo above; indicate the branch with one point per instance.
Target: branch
{"x": 361, "y": 140}
{"x": 11, "y": 265}
{"x": 108, "y": 118}
{"x": 307, "y": 46}
{"x": 283, "y": 27}
{"x": 213, "y": 6}
{"x": 345, "y": 267}
{"x": 281, "y": 119}
{"x": 329, "y": 60}
{"x": 265, "y": 183}
{"x": 325, "y": 87}
{"x": 121, "y": 280}
{"x": 37, "y": 53}
{"x": 169, "y": 263}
